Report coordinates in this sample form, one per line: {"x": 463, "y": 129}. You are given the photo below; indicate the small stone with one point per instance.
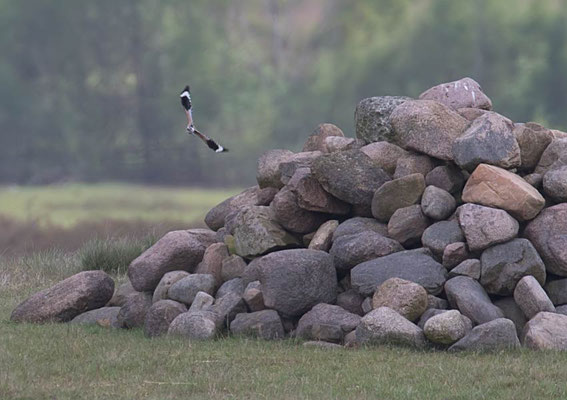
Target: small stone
{"x": 531, "y": 298}
{"x": 202, "y": 302}
{"x": 407, "y": 225}
{"x": 454, "y": 254}
{"x": 232, "y": 267}
{"x": 323, "y": 237}
{"x": 396, "y": 194}
{"x": 441, "y": 234}
{"x": 187, "y": 288}
{"x": 326, "y": 322}
{"x": 437, "y": 203}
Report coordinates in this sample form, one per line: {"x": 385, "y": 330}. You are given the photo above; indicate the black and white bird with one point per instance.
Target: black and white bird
{"x": 186, "y": 103}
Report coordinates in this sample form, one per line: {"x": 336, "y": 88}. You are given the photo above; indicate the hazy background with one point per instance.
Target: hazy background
{"x": 90, "y": 88}
{"x": 90, "y": 93}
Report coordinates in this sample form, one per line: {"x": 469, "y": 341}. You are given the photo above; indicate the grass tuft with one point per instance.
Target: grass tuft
{"x": 113, "y": 255}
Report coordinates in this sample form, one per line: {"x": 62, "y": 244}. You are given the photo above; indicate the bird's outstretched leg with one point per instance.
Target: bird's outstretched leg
{"x": 210, "y": 142}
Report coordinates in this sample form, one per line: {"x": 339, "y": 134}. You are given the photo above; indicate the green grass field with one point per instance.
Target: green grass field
{"x": 60, "y": 361}
{"x": 68, "y": 205}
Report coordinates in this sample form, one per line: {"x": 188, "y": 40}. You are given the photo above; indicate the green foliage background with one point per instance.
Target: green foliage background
{"x": 90, "y": 88}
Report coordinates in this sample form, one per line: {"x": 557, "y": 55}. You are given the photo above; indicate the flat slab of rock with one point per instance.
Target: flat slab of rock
{"x": 256, "y": 232}
{"x": 499, "y": 334}
{"x": 548, "y": 234}
{"x": 65, "y": 300}
{"x": 293, "y": 281}
{"x": 350, "y": 176}
{"x": 485, "y": 226}
{"x": 427, "y": 127}
{"x": 531, "y": 298}
{"x": 159, "y": 317}
{"x": 395, "y": 194}
{"x": 413, "y": 265}
{"x": 177, "y": 250}
{"x": 105, "y": 316}
{"x": 495, "y": 187}
{"x": 505, "y": 264}
{"x": 470, "y": 298}
{"x": 385, "y": 326}
{"x": 407, "y": 298}
{"x": 372, "y": 118}
{"x": 351, "y": 250}
{"x": 464, "y": 93}
{"x": 546, "y": 331}
{"x": 490, "y": 139}
{"x": 265, "y": 324}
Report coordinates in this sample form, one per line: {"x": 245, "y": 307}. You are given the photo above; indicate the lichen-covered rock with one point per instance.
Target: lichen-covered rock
{"x": 495, "y": 187}
{"x": 177, "y": 250}
{"x": 256, "y": 232}
{"x": 293, "y": 281}
{"x": 351, "y": 250}
{"x": 490, "y": 139}
{"x": 485, "y": 226}
{"x": 321, "y": 319}
{"x": 413, "y": 265}
{"x": 505, "y": 264}
{"x": 396, "y": 194}
{"x": 407, "y": 298}
{"x": 316, "y": 141}
{"x": 465, "y": 92}
{"x": 62, "y": 302}
{"x": 548, "y": 234}
{"x": 427, "y": 127}
{"x": 372, "y": 118}
{"x": 265, "y": 324}
{"x": 350, "y": 176}
{"x": 385, "y": 326}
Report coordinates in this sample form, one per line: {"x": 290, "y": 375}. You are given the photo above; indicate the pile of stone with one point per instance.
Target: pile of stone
{"x": 443, "y": 224}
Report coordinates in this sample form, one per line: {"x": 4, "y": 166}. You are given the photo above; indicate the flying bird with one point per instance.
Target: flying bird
{"x": 186, "y": 103}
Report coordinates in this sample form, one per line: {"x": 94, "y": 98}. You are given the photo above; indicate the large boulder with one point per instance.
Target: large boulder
{"x": 359, "y": 224}
{"x": 177, "y": 250}
{"x": 292, "y": 217}
{"x": 385, "y": 154}
{"x": 316, "y": 141}
{"x": 490, "y": 139}
{"x": 505, "y": 264}
{"x": 469, "y": 297}
{"x": 311, "y": 196}
{"x": 105, "y": 316}
{"x": 185, "y": 290}
{"x": 548, "y": 234}
{"x": 413, "y": 265}
{"x": 247, "y": 198}
{"x": 372, "y": 118}
{"x": 256, "y": 232}
{"x": 396, "y": 194}
{"x": 531, "y": 298}
{"x": 554, "y": 156}
{"x": 265, "y": 324}
{"x": 293, "y": 281}
{"x": 326, "y": 322}
{"x": 269, "y": 174}
{"x": 427, "y": 127}
{"x": 495, "y": 187}
{"x": 546, "y": 331}
{"x": 407, "y": 298}
{"x": 351, "y": 250}
{"x": 64, "y": 301}
{"x": 533, "y": 139}
{"x": 465, "y": 92}
{"x": 385, "y": 326}
{"x": 485, "y": 226}
{"x": 159, "y": 317}
{"x": 499, "y": 334}
{"x": 350, "y": 176}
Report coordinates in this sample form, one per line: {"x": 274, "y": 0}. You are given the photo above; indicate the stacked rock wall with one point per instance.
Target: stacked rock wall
{"x": 442, "y": 224}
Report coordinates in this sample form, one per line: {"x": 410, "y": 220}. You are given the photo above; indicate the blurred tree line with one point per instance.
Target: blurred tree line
{"x": 90, "y": 88}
